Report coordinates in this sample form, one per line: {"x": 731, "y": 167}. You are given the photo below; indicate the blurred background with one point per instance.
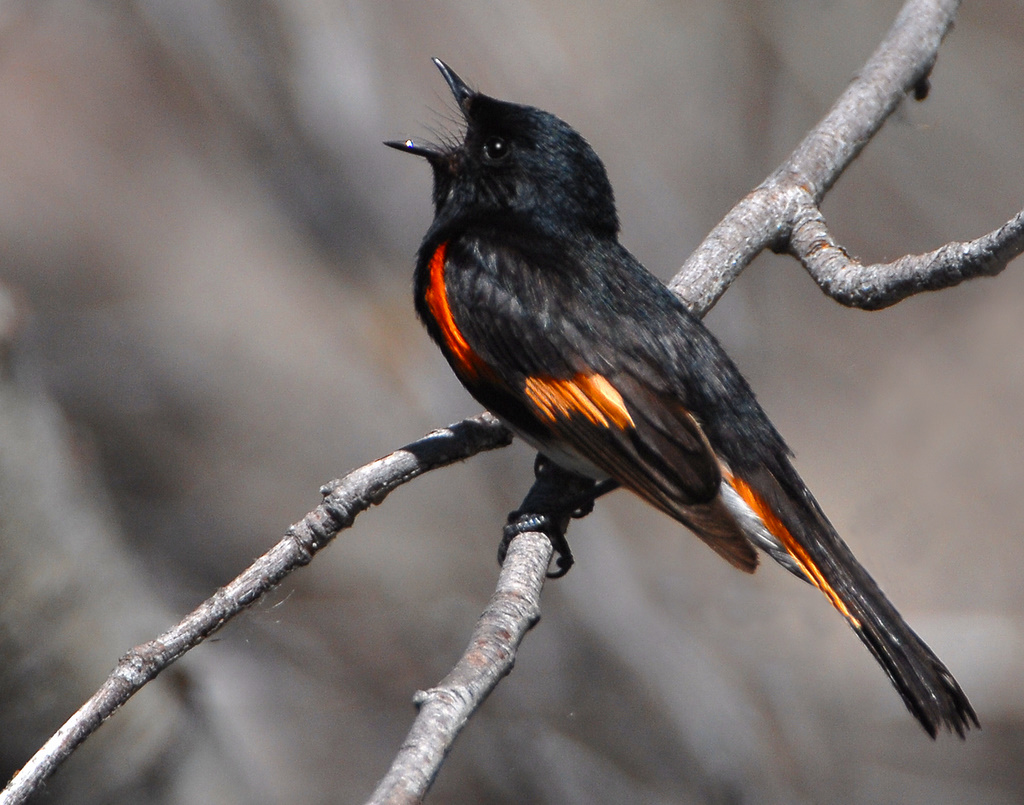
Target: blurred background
{"x": 205, "y": 313}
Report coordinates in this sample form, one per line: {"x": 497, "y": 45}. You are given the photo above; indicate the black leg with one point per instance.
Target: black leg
{"x": 556, "y": 496}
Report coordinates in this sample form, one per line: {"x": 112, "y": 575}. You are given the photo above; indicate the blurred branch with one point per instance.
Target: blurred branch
{"x": 343, "y": 500}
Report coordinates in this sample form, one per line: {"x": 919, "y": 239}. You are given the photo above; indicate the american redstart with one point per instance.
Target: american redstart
{"x": 558, "y": 330}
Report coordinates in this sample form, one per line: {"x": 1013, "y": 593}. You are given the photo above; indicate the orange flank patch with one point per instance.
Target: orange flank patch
{"x": 794, "y": 548}
{"x": 589, "y": 396}
{"x": 465, "y": 359}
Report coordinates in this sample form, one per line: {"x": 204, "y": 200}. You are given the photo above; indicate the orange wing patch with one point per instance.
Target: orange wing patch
{"x": 589, "y": 396}
{"x": 794, "y": 548}
{"x": 463, "y": 356}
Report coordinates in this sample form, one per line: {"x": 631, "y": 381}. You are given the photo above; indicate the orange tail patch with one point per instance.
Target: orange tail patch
{"x": 794, "y": 548}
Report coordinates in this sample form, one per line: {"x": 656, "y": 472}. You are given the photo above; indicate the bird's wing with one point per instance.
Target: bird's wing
{"x": 563, "y": 367}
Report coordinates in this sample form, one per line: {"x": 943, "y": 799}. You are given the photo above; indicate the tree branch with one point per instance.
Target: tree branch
{"x": 766, "y": 217}
{"x": 343, "y": 500}
{"x": 444, "y": 710}
{"x": 513, "y": 610}
{"x": 878, "y": 286}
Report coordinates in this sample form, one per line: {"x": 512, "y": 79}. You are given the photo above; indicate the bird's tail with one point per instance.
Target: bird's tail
{"x": 782, "y": 517}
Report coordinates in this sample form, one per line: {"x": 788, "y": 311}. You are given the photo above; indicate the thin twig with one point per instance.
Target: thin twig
{"x": 343, "y": 500}
{"x": 874, "y": 287}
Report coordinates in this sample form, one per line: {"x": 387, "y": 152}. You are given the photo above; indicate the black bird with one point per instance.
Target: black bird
{"x": 558, "y": 330}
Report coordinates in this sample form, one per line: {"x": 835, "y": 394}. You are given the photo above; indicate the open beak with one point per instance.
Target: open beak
{"x": 463, "y": 95}
{"x": 459, "y": 88}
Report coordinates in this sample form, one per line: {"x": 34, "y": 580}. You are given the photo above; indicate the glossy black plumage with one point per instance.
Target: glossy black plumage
{"x": 555, "y": 327}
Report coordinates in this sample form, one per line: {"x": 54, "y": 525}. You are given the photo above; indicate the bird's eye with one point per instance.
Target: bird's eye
{"x": 496, "y": 149}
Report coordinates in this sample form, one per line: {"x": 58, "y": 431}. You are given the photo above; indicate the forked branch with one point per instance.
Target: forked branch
{"x": 783, "y": 213}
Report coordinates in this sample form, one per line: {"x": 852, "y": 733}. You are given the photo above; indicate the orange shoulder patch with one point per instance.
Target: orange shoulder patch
{"x": 463, "y": 357}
